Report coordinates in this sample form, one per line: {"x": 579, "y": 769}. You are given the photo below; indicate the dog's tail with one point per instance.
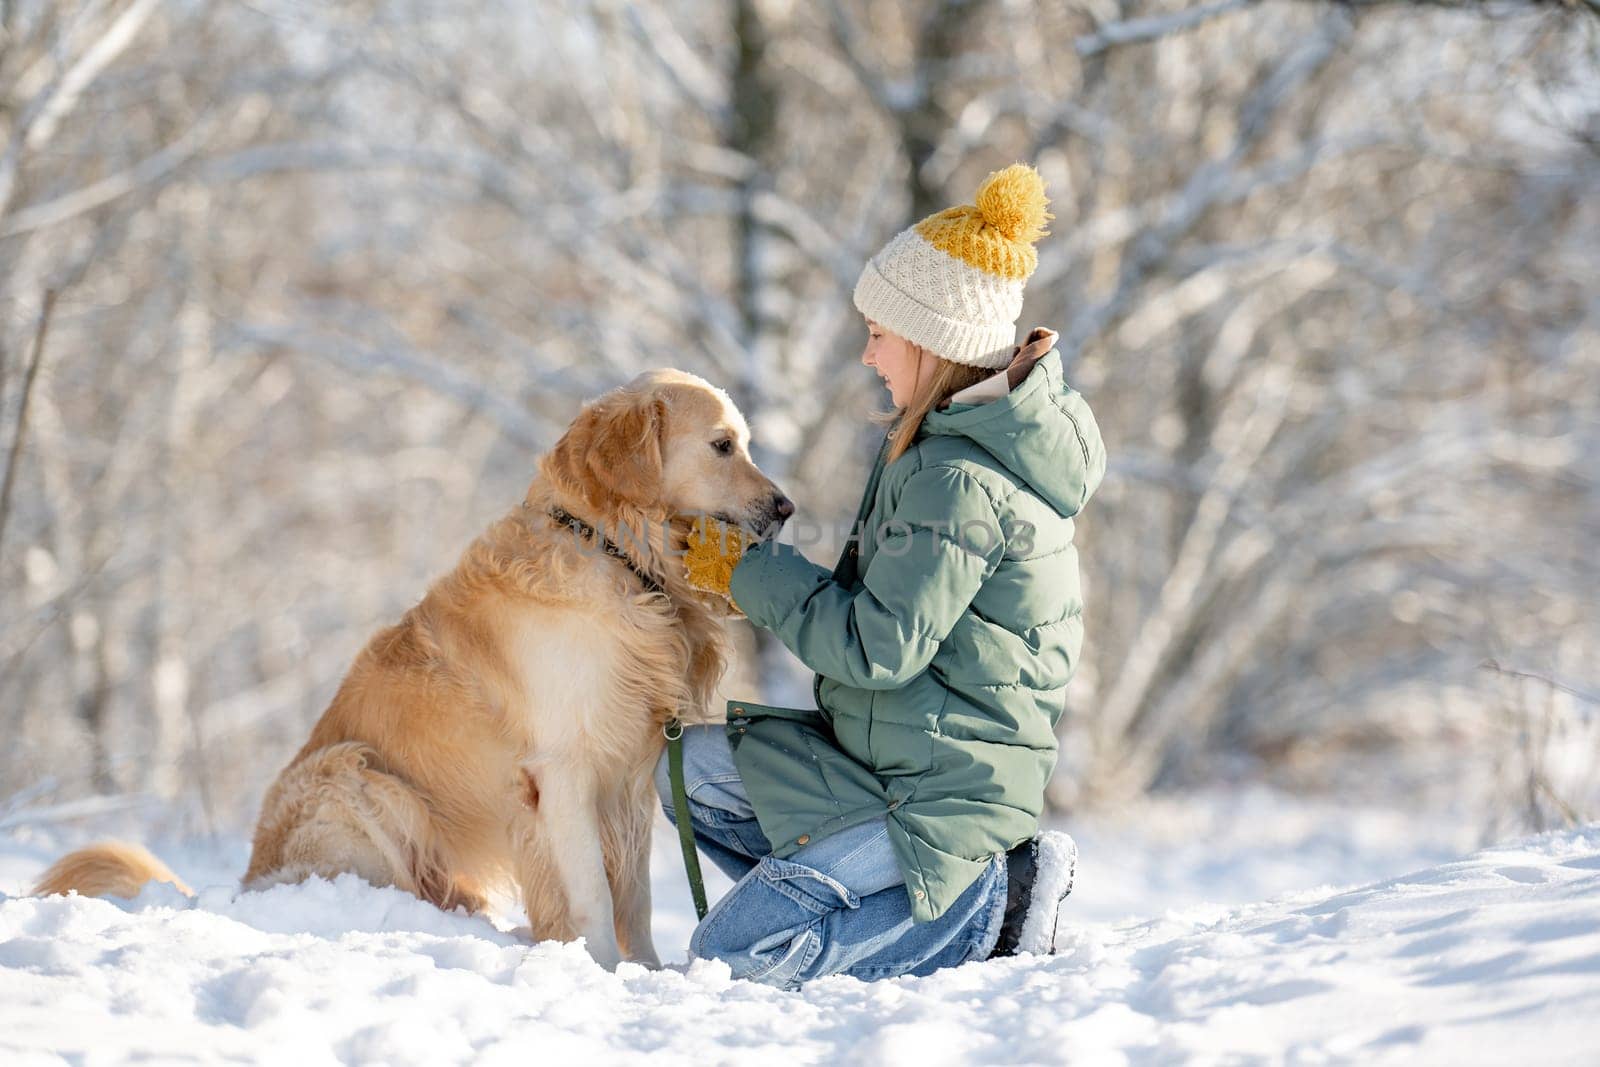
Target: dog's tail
{"x": 107, "y": 869}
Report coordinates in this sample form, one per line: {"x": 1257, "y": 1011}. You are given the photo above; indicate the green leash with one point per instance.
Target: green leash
{"x": 673, "y": 731}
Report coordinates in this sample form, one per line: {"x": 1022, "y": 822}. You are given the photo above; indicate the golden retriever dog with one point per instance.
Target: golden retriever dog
{"x": 505, "y": 729}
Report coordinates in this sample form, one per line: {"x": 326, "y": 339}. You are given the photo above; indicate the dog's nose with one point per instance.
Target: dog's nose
{"x": 784, "y": 505}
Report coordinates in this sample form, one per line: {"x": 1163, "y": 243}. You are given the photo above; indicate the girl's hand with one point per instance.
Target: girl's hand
{"x": 713, "y": 550}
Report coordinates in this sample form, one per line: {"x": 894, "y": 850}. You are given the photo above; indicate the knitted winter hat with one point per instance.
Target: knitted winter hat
{"x": 953, "y": 282}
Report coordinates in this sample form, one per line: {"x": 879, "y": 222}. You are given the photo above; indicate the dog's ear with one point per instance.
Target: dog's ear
{"x": 626, "y": 454}
{"x": 613, "y": 450}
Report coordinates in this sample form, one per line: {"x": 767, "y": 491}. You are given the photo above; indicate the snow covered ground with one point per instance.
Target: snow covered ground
{"x": 1373, "y": 945}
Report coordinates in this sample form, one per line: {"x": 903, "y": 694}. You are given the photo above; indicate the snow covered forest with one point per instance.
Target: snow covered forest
{"x": 292, "y": 294}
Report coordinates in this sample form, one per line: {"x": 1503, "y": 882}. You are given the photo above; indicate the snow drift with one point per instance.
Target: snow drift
{"x": 1494, "y": 958}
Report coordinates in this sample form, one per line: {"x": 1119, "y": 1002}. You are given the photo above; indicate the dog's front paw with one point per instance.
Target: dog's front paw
{"x": 603, "y": 950}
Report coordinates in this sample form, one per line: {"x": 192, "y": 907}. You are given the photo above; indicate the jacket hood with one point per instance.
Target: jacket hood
{"x": 1042, "y": 431}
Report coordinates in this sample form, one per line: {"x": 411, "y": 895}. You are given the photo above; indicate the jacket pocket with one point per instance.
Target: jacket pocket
{"x": 901, "y": 726}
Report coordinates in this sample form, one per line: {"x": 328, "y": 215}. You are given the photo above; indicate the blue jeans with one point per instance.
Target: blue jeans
{"x": 835, "y": 906}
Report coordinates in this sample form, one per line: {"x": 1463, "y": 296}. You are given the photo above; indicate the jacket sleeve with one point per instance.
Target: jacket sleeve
{"x": 931, "y": 557}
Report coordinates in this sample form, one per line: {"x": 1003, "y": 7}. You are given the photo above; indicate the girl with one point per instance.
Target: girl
{"x": 894, "y": 828}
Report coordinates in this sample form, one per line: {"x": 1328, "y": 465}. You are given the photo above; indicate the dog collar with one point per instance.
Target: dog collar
{"x": 566, "y": 518}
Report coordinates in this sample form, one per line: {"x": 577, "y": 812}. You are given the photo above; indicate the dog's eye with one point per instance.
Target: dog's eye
{"x": 725, "y": 446}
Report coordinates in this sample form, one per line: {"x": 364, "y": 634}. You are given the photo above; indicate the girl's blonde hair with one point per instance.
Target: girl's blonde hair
{"x": 947, "y": 378}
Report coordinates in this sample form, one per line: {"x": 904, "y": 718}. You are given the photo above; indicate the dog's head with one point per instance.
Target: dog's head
{"x": 671, "y": 443}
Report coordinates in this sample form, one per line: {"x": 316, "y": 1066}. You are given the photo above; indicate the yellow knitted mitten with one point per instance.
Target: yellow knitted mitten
{"x": 714, "y": 549}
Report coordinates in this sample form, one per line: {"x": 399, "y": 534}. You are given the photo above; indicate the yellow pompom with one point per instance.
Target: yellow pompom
{"x": 1013, "y": 201}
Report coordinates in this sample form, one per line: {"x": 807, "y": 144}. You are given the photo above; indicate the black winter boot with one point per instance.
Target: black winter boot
{"x": 1039, "y": 874}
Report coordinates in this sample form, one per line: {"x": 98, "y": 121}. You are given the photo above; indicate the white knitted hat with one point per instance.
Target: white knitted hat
{"x": 953, "y": 282}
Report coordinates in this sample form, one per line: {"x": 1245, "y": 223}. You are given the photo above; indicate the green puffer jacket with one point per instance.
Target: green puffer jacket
{"x": 941, "y": 650}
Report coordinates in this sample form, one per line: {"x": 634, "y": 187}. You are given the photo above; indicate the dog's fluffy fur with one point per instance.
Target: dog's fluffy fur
{"x": 107, "y": 869}
{"x": 507, "y": 726}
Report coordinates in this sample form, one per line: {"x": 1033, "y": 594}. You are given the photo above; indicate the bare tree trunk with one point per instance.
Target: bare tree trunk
{"x": 94, "y": 695}
{"x": 20, "y": 434}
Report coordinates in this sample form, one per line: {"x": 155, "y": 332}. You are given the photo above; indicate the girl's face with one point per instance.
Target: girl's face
{"x": 898, "y": 362}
